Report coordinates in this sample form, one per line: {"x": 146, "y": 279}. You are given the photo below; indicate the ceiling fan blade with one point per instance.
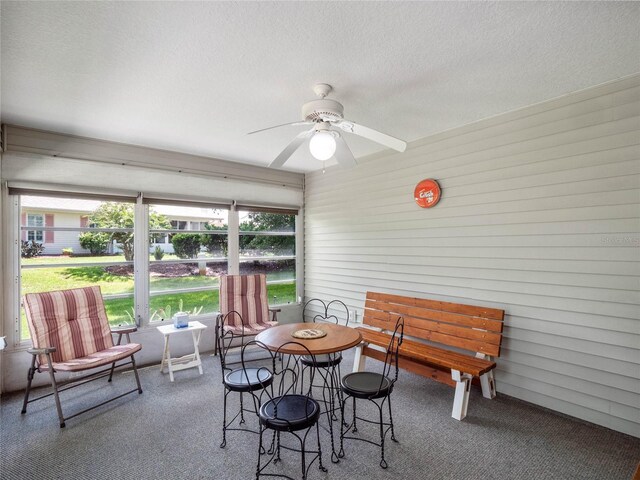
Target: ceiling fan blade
{"x": 343, "y": 154}
{"x": 291, "y": 148}
{"x": 371, "y": 134}
{"x": 294, "y": 124}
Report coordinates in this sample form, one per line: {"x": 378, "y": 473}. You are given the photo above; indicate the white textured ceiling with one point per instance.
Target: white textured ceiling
{"x": 195, "y": 77}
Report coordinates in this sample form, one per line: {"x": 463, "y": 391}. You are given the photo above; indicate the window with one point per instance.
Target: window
{"x": 184, "y": 272}
{"x": 268, "y": 245}
{"x": 188, "y": 247}
{"x": 101, "y": 254}
{"x": 35, "y": 220}
{"x": 179, "y": 224}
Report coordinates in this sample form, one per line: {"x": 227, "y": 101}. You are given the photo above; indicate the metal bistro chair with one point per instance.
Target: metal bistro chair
{"x": 71, "y": 333}
{"x": 327, "y": 365}
{"x": 375, "y": 387}
{"x": 239, "y": 380}
{"x": 281, "y": 409}
{"x": 246, "y": 295}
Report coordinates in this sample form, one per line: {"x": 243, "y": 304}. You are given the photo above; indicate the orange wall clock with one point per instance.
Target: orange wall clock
{"x": 427, "y": 193}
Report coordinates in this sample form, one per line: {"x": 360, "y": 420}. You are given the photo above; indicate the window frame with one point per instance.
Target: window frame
{"x": 15, "y": 255}
{"x": 175, "y": 228}
{"x": 12, "y": 294}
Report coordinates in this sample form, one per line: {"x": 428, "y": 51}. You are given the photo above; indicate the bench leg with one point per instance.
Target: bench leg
{"x": 487, "y": 382}
{"x": 461, "y": 399}
{"x": 488, "y": 385}
{"x": 359, "y": 359}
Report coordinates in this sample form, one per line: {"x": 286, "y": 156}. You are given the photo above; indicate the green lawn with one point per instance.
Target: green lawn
{"x": 59, "y": 278}
{"x": 47, "y": 279}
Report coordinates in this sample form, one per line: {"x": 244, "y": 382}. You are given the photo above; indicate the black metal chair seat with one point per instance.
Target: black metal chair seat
{"x": 322, "y": 361}
{"x": 366, "y": 385}
{"x": 295, "y": 412}
{"x": 248, "y": 380}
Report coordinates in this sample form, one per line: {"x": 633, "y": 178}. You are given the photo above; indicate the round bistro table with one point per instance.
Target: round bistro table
{"x": 337, "y": 339}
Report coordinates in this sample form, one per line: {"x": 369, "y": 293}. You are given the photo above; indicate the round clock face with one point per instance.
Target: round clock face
{"x": 427, "y": 193}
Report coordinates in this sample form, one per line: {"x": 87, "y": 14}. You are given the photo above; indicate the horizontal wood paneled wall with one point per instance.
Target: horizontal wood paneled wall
{"x": 540, "y": 216}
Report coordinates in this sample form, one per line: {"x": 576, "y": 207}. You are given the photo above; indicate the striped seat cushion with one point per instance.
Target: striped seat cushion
{"x": 96, "y": 359}
{"x": 247, "y": 295}
{"x": 73, "y": 321}
{"x": 239, "y": 330}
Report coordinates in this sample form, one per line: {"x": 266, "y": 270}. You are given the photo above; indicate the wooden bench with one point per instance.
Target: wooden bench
{"x": 471, "y": 337}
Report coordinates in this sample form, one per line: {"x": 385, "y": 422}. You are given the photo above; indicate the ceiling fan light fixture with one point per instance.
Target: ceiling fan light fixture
{"x": 322, "y": 145}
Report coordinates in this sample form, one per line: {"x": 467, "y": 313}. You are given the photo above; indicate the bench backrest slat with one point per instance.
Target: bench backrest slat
{"x": 473, "y": 328}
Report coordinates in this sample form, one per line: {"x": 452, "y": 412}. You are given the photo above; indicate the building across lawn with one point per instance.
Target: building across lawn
{"x": 39, "y": 211}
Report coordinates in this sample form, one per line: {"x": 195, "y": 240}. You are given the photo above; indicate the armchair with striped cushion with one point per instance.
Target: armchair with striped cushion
{"x": 71, "y": 333}
{"x": 244, "y": 306}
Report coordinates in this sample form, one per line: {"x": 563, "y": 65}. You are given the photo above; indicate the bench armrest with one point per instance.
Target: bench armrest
{"x": 123, "y": 330}
{"x": 41, "y": 351}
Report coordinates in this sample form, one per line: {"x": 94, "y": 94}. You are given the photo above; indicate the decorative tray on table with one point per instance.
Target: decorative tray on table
{"x": 309, "y": 333}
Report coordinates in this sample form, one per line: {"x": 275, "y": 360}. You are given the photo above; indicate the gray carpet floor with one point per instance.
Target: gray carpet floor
{"x": 173, "y": 431}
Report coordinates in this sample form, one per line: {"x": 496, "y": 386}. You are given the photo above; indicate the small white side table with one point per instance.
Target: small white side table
{"x": 191, "y": 360}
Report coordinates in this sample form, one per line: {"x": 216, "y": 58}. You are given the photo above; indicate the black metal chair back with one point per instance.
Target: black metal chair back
{"x": 316, "y": 304}
{"x": 391, "y": 356}
{"x": 286, "y": 372}
{"x": 227, "y": 339}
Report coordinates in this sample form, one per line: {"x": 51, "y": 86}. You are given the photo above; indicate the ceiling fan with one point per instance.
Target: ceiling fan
{"x": 325, "y": 138}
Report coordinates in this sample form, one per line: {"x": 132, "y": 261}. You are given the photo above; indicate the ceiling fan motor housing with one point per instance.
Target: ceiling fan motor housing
{"x": 317, "y": 110}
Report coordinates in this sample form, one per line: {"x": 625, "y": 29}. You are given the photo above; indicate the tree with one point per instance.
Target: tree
{"x": 273, "y": 222}
{"x": 215, "y": 243}
{"x": 120, "y": 215}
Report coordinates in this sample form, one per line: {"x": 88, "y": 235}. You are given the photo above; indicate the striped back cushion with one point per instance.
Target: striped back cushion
{"x": 247, "y": 295}
{"x": 73, "y": 321}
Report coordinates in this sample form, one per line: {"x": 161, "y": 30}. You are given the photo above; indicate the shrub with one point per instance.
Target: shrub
{"x": 67, "y": 251}
{"x": 96, "y": 243}
{"x": 186, "y": 245}
{"x": 31, "y": 249}
{"x": 215, "y": 244}
{"x": 158, "y": 252}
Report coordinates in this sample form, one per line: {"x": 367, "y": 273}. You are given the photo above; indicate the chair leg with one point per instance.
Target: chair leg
{"x": 355, "y": 427}
{"x": 32, "y": 371}
{"x": 320, "y": 466}
{"x": 393, "y": 434}
{"x": 113, "y": 367}
{"x": 277, "y": 448}
{"x": 383, "y": 462}
{"x": 337, "y": 375}
{"x": 241, "y": 408}
{"x": 224, "y": 419}
{"x": 303, "y": 459}
{"x": 260, "y": 448}
{"x": 135, "y": 372}
{"x": 302, "y": 370}
{"x": 342, "y": 425}
{"x": 54, "y": 385}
